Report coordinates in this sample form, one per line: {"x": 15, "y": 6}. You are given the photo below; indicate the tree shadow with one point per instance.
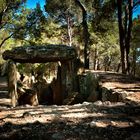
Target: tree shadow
{"x": 64, "y": 131}
{"x": 89, "y": 122}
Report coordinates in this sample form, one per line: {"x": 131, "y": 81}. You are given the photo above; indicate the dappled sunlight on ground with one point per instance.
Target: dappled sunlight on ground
{"x": 100, "y": 114}
{"x": 80, "y": 121}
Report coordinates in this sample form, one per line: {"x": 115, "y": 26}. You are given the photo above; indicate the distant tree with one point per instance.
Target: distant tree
{"x": 135, "y": 47}
{"x": 62, "y": 12}
{"x": 104, "y": 35}
{"x": 31, "y": 26}
{"x": 103, "y": 13}
{"x": 125, "y": 12}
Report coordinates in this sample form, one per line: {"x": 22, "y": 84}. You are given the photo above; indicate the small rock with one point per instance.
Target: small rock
{"x": 86, "y": 103}
{"x": 75, "y": 105}
{"x": 84, "y": 131}
{"x": 73, "y": 127}
{"x": 98, "y": 103}
{"x": 104, "y": 111}
{"x": 131, "y": 124}
{"x": 113, "y": 123}
{"x": 93, "y": 124}
{"x": 27, "y": 105}
{"x": 26, "y": 114}
{"x": 77, "y": 130}
{"x": 26, "y": 129}
{"x": 107, "y": 103}
{"x": 58, "y": 136}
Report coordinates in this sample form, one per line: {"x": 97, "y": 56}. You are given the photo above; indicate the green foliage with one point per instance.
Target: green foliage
{"x": 136, "y": 30}
{"x": 42, "y": 69}
{"x": 59, "y": 9}
{"x": 10, "y": 4}
{"x": 32, "y": 26}
{"x": 7, "y": 10}
{"x": 8, "y": 17}
{"x": 103, "y": 14}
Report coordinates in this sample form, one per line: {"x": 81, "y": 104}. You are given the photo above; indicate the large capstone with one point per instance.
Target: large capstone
{"x": 40, "y": 54}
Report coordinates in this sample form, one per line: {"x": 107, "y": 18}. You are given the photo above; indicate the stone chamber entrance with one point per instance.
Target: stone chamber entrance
{"x": 40, "y": 92}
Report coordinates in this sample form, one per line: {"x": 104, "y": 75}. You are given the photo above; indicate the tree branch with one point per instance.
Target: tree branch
{"x": 80, "y": 5}
{"x": 2, "y": 25}
{"x": 6, "y": 39}
{"x": 17, "y": 30}
{"x": 136, "y": 4}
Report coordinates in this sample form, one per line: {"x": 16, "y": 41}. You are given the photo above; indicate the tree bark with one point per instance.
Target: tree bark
{"x": 121, "y": 35}
{"x": 86, "y": 34}
{"x": 125, "y": 32}
{"x": 1, "y": 15}
{"x": 128, "y": 39}
{"x": 95, "y": 65}
{"x": 133, "y": 70}
{"x": 69, "y": 29}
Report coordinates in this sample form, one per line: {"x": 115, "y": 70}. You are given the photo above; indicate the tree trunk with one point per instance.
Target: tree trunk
{"x": 69, "y": 30}
{"x": 95, "y": 59}
{"x": 125, "y": 33}
{"x": 133, "y": 70}
{"x": 86, "y": 34}
{"x": 86, "y": 40}
{"x": 121, "y": 35}
{"x": 128, "y": 39}
{"x": 1, "y": 15}
{"x": 118, "y": 67}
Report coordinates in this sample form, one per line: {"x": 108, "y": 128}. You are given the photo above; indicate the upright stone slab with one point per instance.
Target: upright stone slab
{"x": 57, "y": 88}
{"x": 88, "y": 83}
{"x": 64, "y": 70}
{"x": 12, "y": 82}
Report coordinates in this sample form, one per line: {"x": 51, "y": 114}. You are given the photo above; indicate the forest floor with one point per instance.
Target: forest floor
{"x": 86, "y": 121}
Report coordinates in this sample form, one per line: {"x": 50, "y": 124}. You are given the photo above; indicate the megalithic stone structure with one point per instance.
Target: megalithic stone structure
{"x": 44, "y": 54}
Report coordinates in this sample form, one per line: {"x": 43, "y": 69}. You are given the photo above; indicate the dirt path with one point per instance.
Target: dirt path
{"x": 87, "y": 121}
{"x": 126, "y": 85}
